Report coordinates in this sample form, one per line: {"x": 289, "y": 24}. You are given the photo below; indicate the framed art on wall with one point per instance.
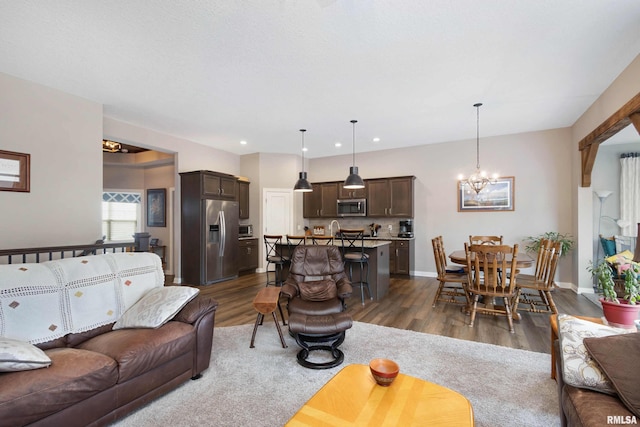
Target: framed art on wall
{"x": 498, "y": 196}
{"x": 15, "y": 171}
{"x": 156, "y": 207}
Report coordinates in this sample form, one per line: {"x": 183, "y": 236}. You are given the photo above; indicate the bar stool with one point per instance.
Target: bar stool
{"x": 322, "y": 240}
{"x": 294, "y": 241}
{"x": 353, "y": 253}
{"x": 275, "y": 257}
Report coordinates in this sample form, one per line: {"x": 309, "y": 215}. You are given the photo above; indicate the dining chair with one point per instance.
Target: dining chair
{"x": 322, "y": 240}
{"x": 453, "y": 279}
{"x": 491, "y": 275}
{"x": 273, "y": 254}
{"x": 353, "y": 253}
{"x": 485, "y": 240}
{"x": 543, "y": 257}
{"x": 539, "y": 299}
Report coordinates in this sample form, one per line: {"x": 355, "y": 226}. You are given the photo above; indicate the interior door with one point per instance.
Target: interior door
{"x": 278, "y": 214}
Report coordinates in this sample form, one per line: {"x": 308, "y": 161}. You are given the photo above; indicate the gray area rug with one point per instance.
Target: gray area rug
{"x": 265, "y": 386}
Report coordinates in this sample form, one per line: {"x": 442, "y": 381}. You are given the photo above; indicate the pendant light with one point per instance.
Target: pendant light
{"x": 478, "y": 180}
{"x": 302, "y": 185}
{"x": 353, "y": 180}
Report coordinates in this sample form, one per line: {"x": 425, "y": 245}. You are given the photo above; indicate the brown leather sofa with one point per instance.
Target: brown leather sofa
{"x": 581, "y": 407}
{"x": 101, "y": 375}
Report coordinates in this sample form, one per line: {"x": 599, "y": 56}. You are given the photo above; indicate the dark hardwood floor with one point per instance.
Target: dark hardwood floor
{"x": 408, "y": 306}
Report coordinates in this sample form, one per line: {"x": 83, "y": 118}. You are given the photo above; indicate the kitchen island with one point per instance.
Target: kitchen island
{"x": 378, "y": 252}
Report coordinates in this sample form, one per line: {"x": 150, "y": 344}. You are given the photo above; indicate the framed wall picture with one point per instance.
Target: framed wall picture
{"x": 494, "y": 197}
{"x": 156, "y": 207}
{"x": 15, "y": 171}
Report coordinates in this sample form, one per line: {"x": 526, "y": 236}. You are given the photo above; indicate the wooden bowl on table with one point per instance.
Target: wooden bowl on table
{"x": 384, "y": 371}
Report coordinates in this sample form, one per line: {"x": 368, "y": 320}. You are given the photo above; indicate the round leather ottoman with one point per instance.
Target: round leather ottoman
{"x": 319, "y": 332}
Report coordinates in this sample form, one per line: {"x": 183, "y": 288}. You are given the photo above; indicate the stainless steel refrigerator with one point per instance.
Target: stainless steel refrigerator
{"x": 221, "y": 244}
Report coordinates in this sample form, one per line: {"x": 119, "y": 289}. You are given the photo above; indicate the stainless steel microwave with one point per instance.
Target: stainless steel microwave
{"x": 352, "y": 207}
{"x": 245, "y": 230}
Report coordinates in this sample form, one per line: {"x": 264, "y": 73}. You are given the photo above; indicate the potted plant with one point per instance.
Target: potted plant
{"x": 566, "y": 241}
{"x": 619, "y": 311}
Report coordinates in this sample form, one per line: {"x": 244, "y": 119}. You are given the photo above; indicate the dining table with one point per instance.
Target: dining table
{"x": 522, "y": 261}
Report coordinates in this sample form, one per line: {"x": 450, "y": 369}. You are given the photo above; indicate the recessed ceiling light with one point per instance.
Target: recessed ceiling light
{"x": 305, "y": 149}
{"x": 243, "y": 142}
{"x": 376, "y": 139}
{"x": 338, "y": 144}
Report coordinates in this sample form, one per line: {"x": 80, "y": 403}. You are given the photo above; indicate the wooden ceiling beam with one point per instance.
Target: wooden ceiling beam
{"x": 629, "y": 113}
{"x": 635, "y": 119}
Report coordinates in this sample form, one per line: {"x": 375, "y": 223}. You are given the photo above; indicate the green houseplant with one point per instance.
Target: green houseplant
{"x": 566, "y": 240}
{"x": 618, "y": 310}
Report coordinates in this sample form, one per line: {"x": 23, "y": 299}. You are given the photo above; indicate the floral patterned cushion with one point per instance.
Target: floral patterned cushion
{"x": 578, "y": 368}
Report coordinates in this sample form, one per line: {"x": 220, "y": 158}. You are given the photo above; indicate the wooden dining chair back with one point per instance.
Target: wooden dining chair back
{"x": 485, "y": 240}
{"x": 543, "y": 258}
{"x": 322, "y": 240}
{"x": 452, "y": 279}
{"x": 534, "y": 293}
{"x": 491, "y": 275}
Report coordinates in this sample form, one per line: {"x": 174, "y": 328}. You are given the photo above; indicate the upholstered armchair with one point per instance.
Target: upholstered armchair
{"x": 317, "y": 283}
{"x": 316, "y": 289}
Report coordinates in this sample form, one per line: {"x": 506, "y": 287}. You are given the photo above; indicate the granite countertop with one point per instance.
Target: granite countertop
{"x": 389, "y": 238}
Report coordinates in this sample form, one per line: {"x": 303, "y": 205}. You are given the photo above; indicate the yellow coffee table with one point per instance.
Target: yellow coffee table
{"x": 352, "y": 398}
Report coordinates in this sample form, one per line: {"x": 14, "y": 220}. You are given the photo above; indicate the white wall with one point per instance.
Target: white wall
{"x": 63, "y": 135}
{"x": 623, "y": 88}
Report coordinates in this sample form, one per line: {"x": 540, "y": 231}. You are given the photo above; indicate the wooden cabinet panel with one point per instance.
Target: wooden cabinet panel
{"x": 248, "y": 255}
{"x": 228, "y": 188}
{"x": 322, "y": 201}
{"x": 219, "y": 186}
{"x": 243, "y": 199}
{"x": 329, "y": 200}
{"x": 401, "y": 257}
{"x": 379, "y": 199}
{"x": 401, "y": 197}
{"x": 312, "y": 202}
{"x": 390, "y": 197}
{"x": 350, "y": 193}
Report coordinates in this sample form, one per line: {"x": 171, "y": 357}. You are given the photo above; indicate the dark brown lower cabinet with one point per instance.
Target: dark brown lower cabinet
{"x": 401, "y": 257}
{"x": 247, "y": 255}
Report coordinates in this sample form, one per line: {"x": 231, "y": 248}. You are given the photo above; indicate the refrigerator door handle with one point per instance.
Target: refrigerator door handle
{"x": 223, "y": 232}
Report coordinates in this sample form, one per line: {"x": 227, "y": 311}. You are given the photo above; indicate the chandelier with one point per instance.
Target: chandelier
{"x": 478, "y": 180}
{"x": 111, "y": 146}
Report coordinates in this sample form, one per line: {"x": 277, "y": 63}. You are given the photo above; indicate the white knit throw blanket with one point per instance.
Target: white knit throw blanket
{"x": 45, "y": 301}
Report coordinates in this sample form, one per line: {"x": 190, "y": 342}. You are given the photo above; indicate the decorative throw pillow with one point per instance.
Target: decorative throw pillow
{"x": 156, "y": 307}
{"x": 609, "y": 246}
{"x": 613, "y": 355}
{"x": 18, "y": 355}
{"x": 620, "y": 258}
{"x": 578, "y": 368}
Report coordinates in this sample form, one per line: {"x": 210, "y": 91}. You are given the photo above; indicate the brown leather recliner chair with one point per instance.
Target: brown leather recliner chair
{"x": 316, "y": 289}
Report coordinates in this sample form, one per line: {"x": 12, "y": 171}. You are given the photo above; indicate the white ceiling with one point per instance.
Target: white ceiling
{"x": 218, "y": 72}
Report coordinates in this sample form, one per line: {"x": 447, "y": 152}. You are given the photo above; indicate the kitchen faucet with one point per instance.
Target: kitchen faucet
{"x": 331, "y": 227}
